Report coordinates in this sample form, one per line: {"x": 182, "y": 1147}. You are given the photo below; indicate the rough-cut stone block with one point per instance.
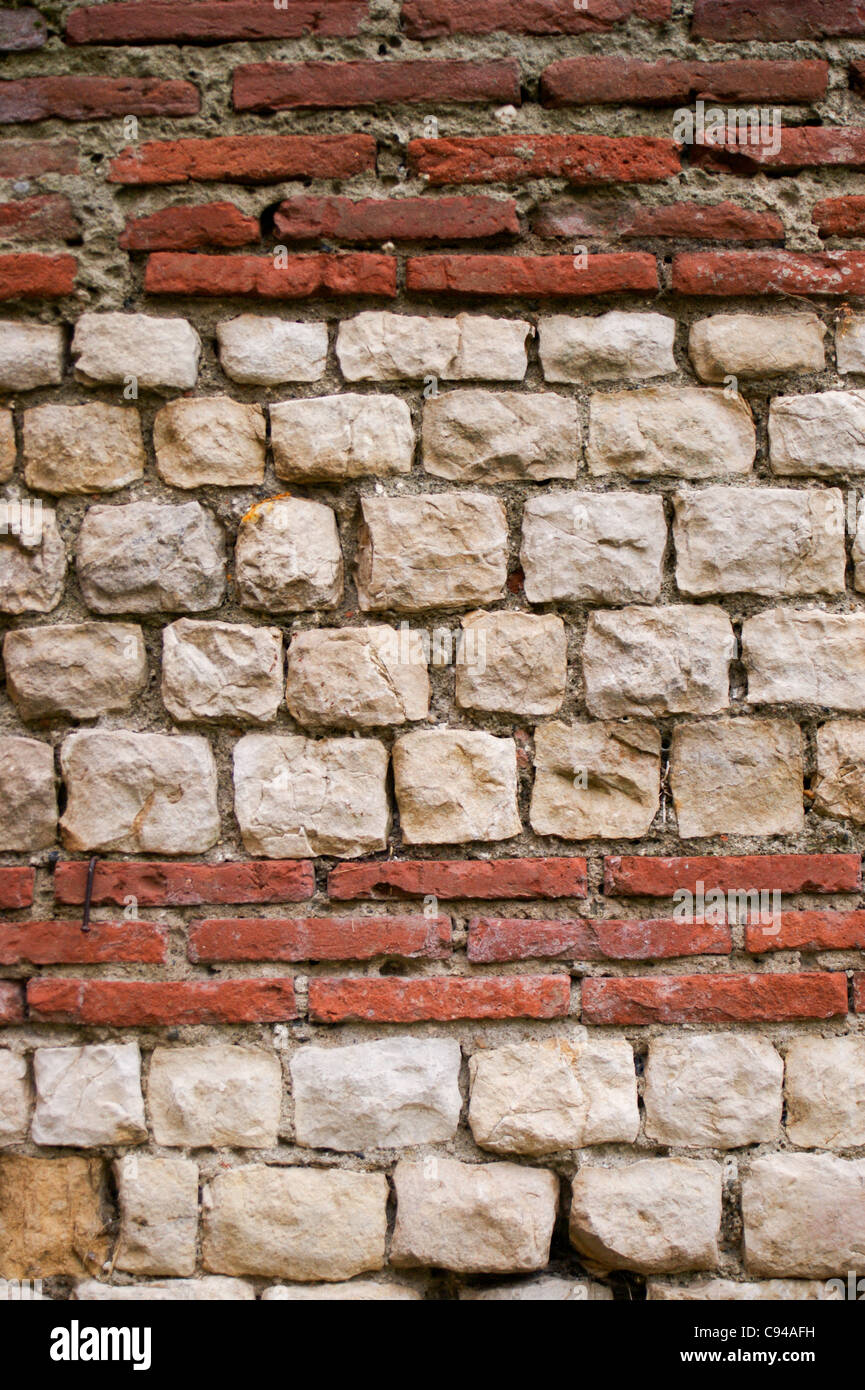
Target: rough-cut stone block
{"x": 839, "y": 790}
{"x": 339, "y": 437}
{"x": 596, "y": 781}
{"x": 738, "y": 777}
{"x": 214, "y": 1097}
{"x": 591, "y": 547}
{"x": 221, "y": 672}
{"x": 652, "y": 661}
{"x": 538, "y": 1098}
{"x": 753, "y": 346}
{"x": 471, "y": 347}
{"x": 493, "y": 1218}
{"x": 512, "y": 663}
{"x": 150, "y": 557}
{"x": 139, "y": 793}
{"x": 125, "y": 349}
{"x": 295, "y": 1223}
{"x": 8, "y": 449}
{"x": 81, "y": 449}
{"x": 547, "y": 1289}
{"x": 355, "y": 1291}
{"x": 728, "y": 1291}
{"x": 210, "y": 440}
{"x": 28, "y": 800}
{"x": 500, "y": 436}
{"x": 53, "y": 1217}
{"x": 453, "y": 786}
{"x": 357, "y": 677}
{"x": 88, "y": 1095}
{"x": 295, "y": 797}
{"x": 850, "y": 343}
{"x": 158, "y": 1200}
{"x": 288, "y": 557}
{"x": 656, "y": 1216}
{"x": 376, "y": 1095}
{"x": 804, "y": 1215}
{"x": 442, "y": 551}
{"x": 677, "y": 431}
{"x": 611, "y": 347}
{"x": 32, "y": 559}
{"x": 805, "y": 657}
{"x": 818, "y": 436}
{"x": 824, "y": 1089}
{"x": 31, "y": 355}
{"x": 206, "y": 1290}
{"x": 74, "y": 670}
{"x": 267, "y": 352}
{"x": 16, "y": 1098}
{"x": 713, "y": 1090}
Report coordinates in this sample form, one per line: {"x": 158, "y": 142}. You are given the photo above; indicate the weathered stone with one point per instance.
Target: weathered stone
{"x": 858, "y": 550}
{"x": 31, "y": 355}
{"x": 206, "y": 1290}
{"x": 804, "y": 1215}
{"x": 492, "y": 1218}
{"x": 288, "y": 557}
{"x": 28, "y": 800}
{"x": 150, "y": 557}
{"x": 378, "y": 346}
{"x": 679, "y": 431}
{"x": 74, "y": 670}
{"x": 591, "y": 547}
{"x": 376, "y": 1095}
{"x": 215, "y": 1097}
{"x": 738, "y": 777}
{"x": 754, "y": 346}
{"x": 825, "y": 1092}
{"x": 850, "y": 343}
{"x": 295, "y": 1223}
{"x": 818, "y": 436}
{"x": 266, "y": 352}
{"x": 655, "y": 1216}
{"x": 356, "y": 1291}
{"x": 340, "y": 437}
{"x": 442, "y": 551}
{"x": 607, "y": 348}
{"x": 158, "y": 1200}
{"x": 596, "y": 781}
{"x": 7, "y": 446}
{"x": 547, "y": 1289}
{"x": 210, "y": 440}
{"x": 512, "y": 663}
{"x": 295, "y": 797}
{"x": 357, "y": 677}
{"x": 32, "y": 559}
{"x": 539, "y": 1098}
{"x": 651, "y": 661}
{"x": 88, "y": 1095}
{"x": 839, "y": 790}
{"x": 804, "y": 657}
{"x": 80, "y": 449}
{"x": 52, "y": 1217}
{"x": 453, "y": 786}
{"x": 500, "y": 436}
{"x": 221, "y": 672}
{"x": 152, "y": 353}
{"x": 713, "y": 1090}
{"x": 728, "y": 1291}
{"x": 15, "y": 1098}
{"x": 139, "y": 793}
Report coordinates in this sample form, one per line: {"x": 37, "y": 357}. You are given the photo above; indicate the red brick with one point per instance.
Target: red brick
{"x": 634, "y": 221}
{"x": 186, "y": 885}
{"x": 453, "y": 879}
{"x": 30, "y": 276}
{"x": 61, "y": 943}
{"x": 190, "y": 228}
{"x": 618, "y": 80}
{"x": 726, "y": 20}
{"x": 21, "y": 30}
{"x": 258, "y": 277}
{"x": 714, "y": 998}
{"x": 244, "y": 159}
{"x": 438, "y": 1000}
{"x": 532, "y": 275}
{"x": 497, "y": 939}
{"x": 283, "y": 86}
{"x": 321, "y": 938}
{"x": 807, "y": 931}
{"x": 212, "y": 21}
{"x": 45, "y": 218}
{"x": 857, "y": 76}
{"x": 142, "y": 1004}
{"x": 859, "y": 993}
{"x": 433, "y": 19}
{"x": 11, "y": 1002}
{"x": 395, "y": 219}
{"x": 840, "y": 216}
{"x": 637, "y": 876}
{"x": 768, "y": 272}
{"x": 16, "y": 887}
{"x": 581, "y": 159}
{"x": 29, "y": 159}
{"x": 801, "y": 147}
{"x": 93, "y": 98}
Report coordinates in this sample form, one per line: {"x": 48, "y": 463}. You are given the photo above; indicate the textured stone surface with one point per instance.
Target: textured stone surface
{"x": 655, "y": 1216}
{"x": 7, "y": 446}
{"x": 355, "y": 1291}
{"x": 28, "y": 800}
{"x": 728, "y": 1291}
{"x": 294, "y": 796}
{"x": 210, "y": 440}
{"x": 221, "y": 672}
{"x": 74, "y": 670}
{"x": 824, "y": 1089}
{"x": 548, "y": 1289}
{"x": 16, "y": 1098}
{"x": 258, "y": 351}
{"x": 804, "y": 1215}
{"x": 357, "y": 677}
{"x": 850, "y": 343}
{"x": 672, "y": 660}
{"x": 139, "y": 793}
{"x": 596, "y": 781}
{"x": 500, "y": 436}
{"x": 207, "y": 1290}
{"x": 154, "y": 353}
{"x": 713, "y": 1090}
{"x": 738, "y": 777}
{"x": 82, "y": 448}
{"x": 818, "y": 436}
{"x": 588, "y": 547}
{"x": 295, "y": 1223}
{"x": 32, "y": 560}
{"x": 493, "y": 1218}
{"x": 339, "y": 437}
{"x": 805, "y": 656}
{"x": 376, "y": 1095}
{"x": 214, "y": 1096}
{"x": 538, "y": 1098}
{"x": 288, "y": 557}
{"x": 31, "y": 355}
{"x": 390, "y": 347}
{"x": 87, "y": 1096}
{"x": 675, "y": 431}
{"x": 158, "y": 1201}
{"x": 754, "y": 346}
{"x": 839, "y": 790}
{"x": 454, "y": 786}
{"x": 53, "y": 1216}
{"x": 610, "y": 347}
{"x": 151, "y": 556}
{"x": 512, "y": 663}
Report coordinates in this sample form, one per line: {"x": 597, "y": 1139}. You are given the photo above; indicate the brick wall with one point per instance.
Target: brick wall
{"x": 432, "y": 734}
